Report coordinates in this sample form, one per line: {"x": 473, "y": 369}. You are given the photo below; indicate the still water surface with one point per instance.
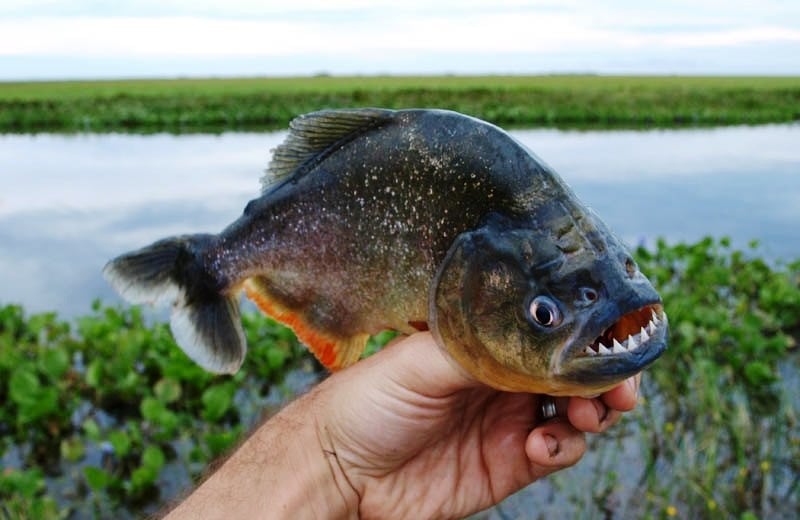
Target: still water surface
{"x": 69, "y": 203}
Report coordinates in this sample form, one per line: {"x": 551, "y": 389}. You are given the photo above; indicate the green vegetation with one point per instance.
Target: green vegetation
{"x": 189, "y": 105}
{"x": 107, "y": 415}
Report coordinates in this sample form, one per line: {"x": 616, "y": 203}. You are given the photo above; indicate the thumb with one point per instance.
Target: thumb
{"x": 418, "y": 363}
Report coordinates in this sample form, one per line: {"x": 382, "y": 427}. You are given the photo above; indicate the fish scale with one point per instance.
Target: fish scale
{"x": 374, "y": 219}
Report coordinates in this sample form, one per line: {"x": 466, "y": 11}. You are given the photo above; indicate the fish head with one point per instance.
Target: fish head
{"x": 555, "y": 306}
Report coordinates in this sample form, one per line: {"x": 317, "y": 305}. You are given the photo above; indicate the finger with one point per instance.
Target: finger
{"x": 591, "y": 415}
{"x": 418, "y": 363}
{"x": 624, "y": 396}
{"x": 554, "y": 445}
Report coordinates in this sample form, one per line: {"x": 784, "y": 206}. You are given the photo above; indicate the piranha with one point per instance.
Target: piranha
{"x": 408, "y": 220}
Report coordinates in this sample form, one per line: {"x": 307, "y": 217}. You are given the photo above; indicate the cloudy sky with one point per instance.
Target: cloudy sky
{"x": 50, "y": 39}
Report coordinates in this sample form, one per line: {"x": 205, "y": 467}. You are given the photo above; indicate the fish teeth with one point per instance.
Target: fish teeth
{"x": 632, "y": 343}
{"x": 604, "y": 350}
{"x": 589, "y": 350}
{"x": 618, "y": 349}
{"x": 643, "y": 336}
{"x": 651, "y": 327}
{"x": 655, "y": 319}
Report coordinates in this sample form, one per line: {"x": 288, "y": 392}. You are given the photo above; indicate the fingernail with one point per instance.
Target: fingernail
{"x": 552, "y": 444}
{"x": 634, "y": 384}
{"x": 602, "y": 410}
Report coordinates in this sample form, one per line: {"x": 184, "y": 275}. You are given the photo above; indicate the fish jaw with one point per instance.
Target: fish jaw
{"x": 624, "y": 348}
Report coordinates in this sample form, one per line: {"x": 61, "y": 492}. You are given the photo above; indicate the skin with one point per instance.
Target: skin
{"x": 404, "y": 434}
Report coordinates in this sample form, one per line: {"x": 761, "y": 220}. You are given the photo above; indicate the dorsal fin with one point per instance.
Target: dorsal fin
{"x": 312, "y": 136}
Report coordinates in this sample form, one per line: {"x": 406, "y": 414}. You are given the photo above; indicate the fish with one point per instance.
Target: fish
{"x": 420, "y": 219}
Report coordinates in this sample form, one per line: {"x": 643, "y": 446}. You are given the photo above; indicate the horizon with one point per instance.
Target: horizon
{"x": 220, "y": 77}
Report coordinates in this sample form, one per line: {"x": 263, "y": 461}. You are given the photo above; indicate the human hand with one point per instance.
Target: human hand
{"x": 403, "y": 434}
{"x": 415, "y": 436}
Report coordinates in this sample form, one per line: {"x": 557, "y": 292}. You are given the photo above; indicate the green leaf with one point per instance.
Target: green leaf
{"x": 54, "y": 362}
{"x": 72, "y": 449}
{"x": 158, "y": 414}
{"x": 120, "y": 441}
{"x": 24, "y": 386}
{"x": 92, "y": 429}
{"x": 97, "y": 478}
{"x": 759, "y": 373}
{"x": 218, "y": 443}
{"x": 217, "y": 400}
{"x": 151, "y": 409}
{"x": 44, "y": 403}
{"x": 276, "y": 357}
{"x": 26, "y": 483}
{"x": 142, "y": 477}
{"x": 168, "y": 390}
{"x": 94, "y": 373}
{"x": 153, "y": 458}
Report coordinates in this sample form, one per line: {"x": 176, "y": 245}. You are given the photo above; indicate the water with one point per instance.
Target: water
{"x": 69, "y": 203}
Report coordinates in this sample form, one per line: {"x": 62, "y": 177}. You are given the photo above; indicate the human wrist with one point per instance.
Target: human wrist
{"x": 282, "y": 470}
{"x": 321, "y": 488}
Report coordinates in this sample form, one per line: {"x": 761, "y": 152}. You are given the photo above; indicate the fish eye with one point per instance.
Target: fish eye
{"x": 544, "y": 311}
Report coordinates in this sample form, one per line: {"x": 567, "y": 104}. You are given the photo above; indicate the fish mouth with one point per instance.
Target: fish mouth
{"x": 632, "y": 332}
{"x": 622, "y": 349}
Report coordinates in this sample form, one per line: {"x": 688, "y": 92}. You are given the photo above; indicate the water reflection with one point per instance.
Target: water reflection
{"x": 69, "y": 203}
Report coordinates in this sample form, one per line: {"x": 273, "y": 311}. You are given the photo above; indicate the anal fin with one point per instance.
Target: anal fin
{"x": 333, "y": 351}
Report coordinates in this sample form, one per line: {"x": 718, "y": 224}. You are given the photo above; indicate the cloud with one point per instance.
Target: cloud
{"x": 203, "y": 37}
{"x": 49, "y": 37}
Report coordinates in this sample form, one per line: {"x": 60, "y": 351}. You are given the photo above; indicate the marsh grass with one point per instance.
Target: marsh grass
{"x": 107, "y": 416}
{"x": 215, "y": 105}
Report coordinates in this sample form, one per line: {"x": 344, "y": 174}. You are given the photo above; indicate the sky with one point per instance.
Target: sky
{"x": 72, "y": 39}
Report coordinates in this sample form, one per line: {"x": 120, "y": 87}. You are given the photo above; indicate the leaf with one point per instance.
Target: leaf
{"x": 158, "y": 414}
{"x": 54, "y": 362}
{"x": 142, "y": 477}
{"x": 120, "y": 441}
{"x": 24, "y": 386}
{"x": 759, "y": 373}
{"x": 153, "y": 458}
{"x": 39, "y": 403}
{"x": 92, "y": 429}
{"x": 23, "y": 482}
{"x": 220, "y": 442}
{"x": 276, "y": 357}
{"x": 72, "y": 449}
{"x": 97, "y": 478}
{"x": 217, "y": 400}
{"x": 94, "y": 373}
{"x": 167, "y": 390}
{"x": 151, "y": 409}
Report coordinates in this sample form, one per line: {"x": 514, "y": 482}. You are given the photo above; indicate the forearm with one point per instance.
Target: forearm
{"x": 280, "y": 471}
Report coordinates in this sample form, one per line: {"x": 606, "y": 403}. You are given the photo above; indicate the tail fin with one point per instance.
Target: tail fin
{"x": 204, "y": 321}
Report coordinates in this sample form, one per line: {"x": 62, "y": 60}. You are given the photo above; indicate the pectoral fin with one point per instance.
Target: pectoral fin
{"x": 332, "y": 350}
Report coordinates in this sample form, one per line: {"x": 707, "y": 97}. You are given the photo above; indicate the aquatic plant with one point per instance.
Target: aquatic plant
{"x": 105, "y": 414}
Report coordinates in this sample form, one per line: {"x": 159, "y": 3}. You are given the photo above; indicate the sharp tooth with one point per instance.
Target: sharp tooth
{"x": 604, "y": 350}
{"x": 590, "y": 351}
{"x": 655, "y": 318}
{"x": 618, "y": 349}
{"x": 651, "y": 328}
{"x": 643, "y": 335}
{"x": 632, "y": 343}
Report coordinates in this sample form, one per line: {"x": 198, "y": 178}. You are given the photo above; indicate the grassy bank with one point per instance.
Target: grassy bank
{"x": 214, "y": 105}
{"x": 108, "y": 417}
